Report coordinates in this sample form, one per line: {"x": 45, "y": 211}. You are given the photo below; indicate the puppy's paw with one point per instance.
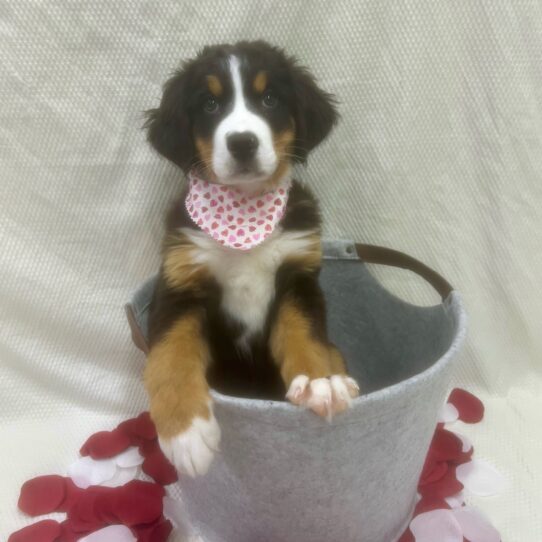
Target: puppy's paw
{"x": 325, "y": 396}
{"x": 192, "y": 451}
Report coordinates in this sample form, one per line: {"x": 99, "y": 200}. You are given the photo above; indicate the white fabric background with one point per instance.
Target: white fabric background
{"x": 439, "y": 154}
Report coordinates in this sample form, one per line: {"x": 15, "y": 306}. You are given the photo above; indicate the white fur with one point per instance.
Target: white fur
{"x": 241, "y": 119}
{"x": 193, "y": 450}
{"x": 325, "y": 396}
{"x": 247, "y": 277}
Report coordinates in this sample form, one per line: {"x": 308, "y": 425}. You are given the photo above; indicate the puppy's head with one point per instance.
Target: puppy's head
{"x": 240, "y": 114}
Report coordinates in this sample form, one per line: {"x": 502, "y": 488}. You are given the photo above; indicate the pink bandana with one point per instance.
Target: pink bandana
{"x": 231, "y": 217}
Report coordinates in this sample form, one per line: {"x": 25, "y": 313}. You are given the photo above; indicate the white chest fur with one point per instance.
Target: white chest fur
{"x": 247, "y": 278}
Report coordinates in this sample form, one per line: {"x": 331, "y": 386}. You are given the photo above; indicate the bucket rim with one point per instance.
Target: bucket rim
{"x": 452, "y": 303}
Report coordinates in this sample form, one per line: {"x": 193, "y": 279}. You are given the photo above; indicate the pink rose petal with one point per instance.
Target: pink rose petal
{"x": 436, "y": 526}
{"x": 480, "y": 478}
{"x": 122, "y": 477}
{"x": 448, "y": 414}
{"x": 455, "y": 501}
{"x": 130, "y": 458}
{"x": 476, "y": 528}
{"x": 87, "y": 472}
{"x": 113, "y": 533}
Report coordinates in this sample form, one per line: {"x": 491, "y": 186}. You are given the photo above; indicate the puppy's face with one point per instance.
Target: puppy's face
{"x": 240, "y": 114}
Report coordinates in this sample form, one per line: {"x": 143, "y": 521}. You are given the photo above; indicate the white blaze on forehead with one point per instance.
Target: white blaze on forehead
{"x": 242, "y": 119}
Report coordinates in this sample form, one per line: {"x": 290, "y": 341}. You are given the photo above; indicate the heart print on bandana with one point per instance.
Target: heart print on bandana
{"x": 231, "y": 217}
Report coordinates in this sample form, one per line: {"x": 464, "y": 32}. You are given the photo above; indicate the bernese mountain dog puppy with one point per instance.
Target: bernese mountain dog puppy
{"x": 238, "y": 306}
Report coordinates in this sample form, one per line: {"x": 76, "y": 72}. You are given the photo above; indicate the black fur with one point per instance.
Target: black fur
{"x": 235, "y": 372}
{"x": 172, "y": 128}
{"x": 180, "y": 117}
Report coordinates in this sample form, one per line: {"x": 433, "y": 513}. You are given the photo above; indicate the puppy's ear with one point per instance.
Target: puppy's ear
{"x": 316, "y": 112}
{"x": 169, "y": 128}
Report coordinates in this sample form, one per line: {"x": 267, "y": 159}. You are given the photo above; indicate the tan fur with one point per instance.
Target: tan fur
{"x": 310, "y": 259}
{"x": 338, "y": 366}
{"x": 205, "y": 150}
{"x": 260, "y": 82}
{"x": 281, "y": 142}
{"x": 175, "y": 377}
{"x": 214, "y": 85}
{"x": 294, "y": 347}
{"x": 180, "y": 269}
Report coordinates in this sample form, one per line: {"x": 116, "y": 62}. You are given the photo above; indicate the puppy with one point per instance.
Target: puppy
{"x": 238, "y": 306}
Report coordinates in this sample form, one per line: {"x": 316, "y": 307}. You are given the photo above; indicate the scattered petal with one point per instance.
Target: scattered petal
{"x": 407, "y": 536}
{"x": 73, "y": 493}
{"x": 87, "y": 472}
{"x": 448, "y": 414}
{"x": 480, "y": 478}
{"x": 457, "y": 500}
{"x": 436, "y": 471}
{"x": 68, "y": 534}
{"x": 476, "y": 528}
{"x": 466, "y": 442}
{"x": 470, "y": 408}
{"x": 84, "y": 515}
{"x": 106, "y": 444}
{"x": 428, "y": 504}
{"x": 148, "y": 447}
{"x": 436, "y": 525}
{"x": 112, "y": 533}
{"x": 42, "y": 531}
{"x": 139, "y": 502}
{"x": 159, "y": 468}
{"x": 122, "y": 476}
{"x": 142, "y": 427}
{"x": 446, "y": 486}
{"x": 445, "y": 446}
{"x": 157, "y": 532}
{"x": 130, "y": 458}
{"x": 42, "y": 495}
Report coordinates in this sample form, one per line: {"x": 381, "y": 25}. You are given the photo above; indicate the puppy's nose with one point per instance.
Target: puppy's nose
{"x": 242, "y": 145}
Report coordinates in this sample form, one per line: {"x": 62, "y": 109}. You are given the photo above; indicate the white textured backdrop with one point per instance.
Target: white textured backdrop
{"x": 439, "y": 154}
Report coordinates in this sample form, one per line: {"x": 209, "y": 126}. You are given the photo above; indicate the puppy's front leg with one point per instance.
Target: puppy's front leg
{"x": 312, "y": 368}
{"x": 180, "y": 404}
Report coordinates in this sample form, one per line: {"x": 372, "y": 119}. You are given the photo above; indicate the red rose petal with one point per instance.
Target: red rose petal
{"x": 464, "y": 457}
{"x": 73, "y": 493}
{"x": 407, "y": 536}
{"x": 426, "y": 504}
{"x": 42, "y": 495}
{"x": 156, "y": 532}
{"x": 82, "y": 516}
{"x": 139, "y": 502}
{"x": 105, "y": 444}
{"x": 68, "y": 534}
{"x": 42, "y": 531}
{"x": 144, "y": 427}
{"x": 445, "y": 487}
{"x": 445, "y": 446}
{"x": 470, "y": 408}
{"x": 437, "y": 471}
{"x": 148, "y": 447}
{"x": 159, "y": 468}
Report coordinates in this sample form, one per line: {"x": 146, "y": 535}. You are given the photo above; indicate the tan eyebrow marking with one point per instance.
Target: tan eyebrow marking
{"x": 214, "y": 85}
{"x": 260, "y": 82}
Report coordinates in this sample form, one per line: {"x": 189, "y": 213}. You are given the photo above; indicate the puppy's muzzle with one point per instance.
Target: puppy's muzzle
{"x": 243, "y": 146}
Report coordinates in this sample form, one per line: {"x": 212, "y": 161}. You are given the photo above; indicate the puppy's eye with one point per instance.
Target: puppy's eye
{"x": 270, "y": 99}
{"x": 210, "y": 105}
